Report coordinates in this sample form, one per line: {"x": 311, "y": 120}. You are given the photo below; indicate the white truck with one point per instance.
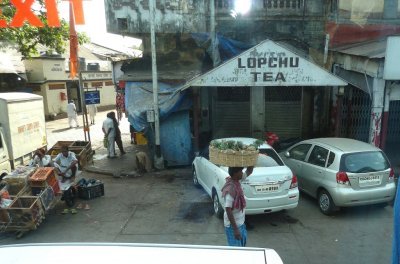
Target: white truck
{"x": 22, "y": 129}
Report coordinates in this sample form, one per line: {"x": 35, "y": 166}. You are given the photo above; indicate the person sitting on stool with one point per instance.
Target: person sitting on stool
{"x": 65, "y": 164}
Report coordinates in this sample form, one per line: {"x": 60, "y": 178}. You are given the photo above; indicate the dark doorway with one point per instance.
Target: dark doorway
{"x": 73, "y": 93}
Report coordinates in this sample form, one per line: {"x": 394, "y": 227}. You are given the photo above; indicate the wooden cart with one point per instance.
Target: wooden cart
{"x": 27, "y": 211}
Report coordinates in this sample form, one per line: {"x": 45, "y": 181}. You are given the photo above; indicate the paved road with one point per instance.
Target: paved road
{"x": 167, "y": 208}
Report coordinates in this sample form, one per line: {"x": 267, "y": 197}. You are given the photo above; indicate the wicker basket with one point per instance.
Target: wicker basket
{"x": 231, "y": 158}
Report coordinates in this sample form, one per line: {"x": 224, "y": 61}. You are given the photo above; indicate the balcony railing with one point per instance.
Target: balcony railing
{"x": 283, "y": 4}
{"x": 273, "y": 5}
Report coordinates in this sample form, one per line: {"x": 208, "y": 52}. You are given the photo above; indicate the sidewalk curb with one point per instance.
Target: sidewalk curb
{"x": 94, "y": 169}
{"x": 115, "y": 174}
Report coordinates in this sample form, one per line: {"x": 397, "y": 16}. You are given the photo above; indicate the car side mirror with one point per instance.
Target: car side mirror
{"x": 287, "y": 154}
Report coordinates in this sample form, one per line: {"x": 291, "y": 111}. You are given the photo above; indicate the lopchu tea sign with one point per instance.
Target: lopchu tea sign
{"x": 24, "y": 13}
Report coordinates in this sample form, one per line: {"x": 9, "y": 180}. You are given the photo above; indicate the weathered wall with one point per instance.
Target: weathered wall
{"x": 299, "y": 22}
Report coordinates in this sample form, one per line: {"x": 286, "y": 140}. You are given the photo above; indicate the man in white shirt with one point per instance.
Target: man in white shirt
{"x": 92, "y": 110}
{"x": 72, "y": 114}
{"x": 235, "y": 205}
{"x": 109, "y": 132}
{"x": 40, "y": 159}
{"x": 65, "y": 164}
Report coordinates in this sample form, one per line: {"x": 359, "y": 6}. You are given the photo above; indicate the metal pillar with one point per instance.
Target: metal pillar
{"x": 158, "y": 159}
{"x": 378, "y": 93}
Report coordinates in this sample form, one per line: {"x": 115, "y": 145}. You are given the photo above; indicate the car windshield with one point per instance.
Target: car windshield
{"x": 146, "y": 85}
{"x": 268, "y": 158}
{"x": 362, "y": 162}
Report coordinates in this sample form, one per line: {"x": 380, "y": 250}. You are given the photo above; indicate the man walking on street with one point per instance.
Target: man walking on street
{"x": 118, "y": 138}
{"x": 72, "y": 114}
{"x": 235, "y": 205}
{"x": 109, "y": 132}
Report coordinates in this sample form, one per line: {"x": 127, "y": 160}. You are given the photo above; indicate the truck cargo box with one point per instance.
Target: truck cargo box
{"x": 23, "y": 125}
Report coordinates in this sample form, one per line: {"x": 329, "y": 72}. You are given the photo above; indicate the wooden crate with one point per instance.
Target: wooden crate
{"x": 4, "y": 215}
{"x": 59, "y": 144}
{"x": 26, "y": 213}
{"x": 81, "y": 144}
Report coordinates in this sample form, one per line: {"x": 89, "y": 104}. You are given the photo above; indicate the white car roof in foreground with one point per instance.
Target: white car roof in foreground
{"x": 246, "y": 141}
{"x": 103, "y": 253}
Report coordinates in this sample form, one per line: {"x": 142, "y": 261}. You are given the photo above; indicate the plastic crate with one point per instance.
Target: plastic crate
{"x": 91, "y": 192}
{"x": 42, "y": 177}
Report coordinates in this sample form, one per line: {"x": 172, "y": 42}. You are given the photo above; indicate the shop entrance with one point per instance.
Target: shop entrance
{"x": 74, "y": 94}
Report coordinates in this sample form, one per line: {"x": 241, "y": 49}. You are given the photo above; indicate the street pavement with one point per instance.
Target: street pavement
{"x": 165, "y": 207}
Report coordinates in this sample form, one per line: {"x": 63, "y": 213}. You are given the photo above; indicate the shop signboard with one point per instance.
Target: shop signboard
{"x": 267, "y": 64}
{"x": 92, "y": 97}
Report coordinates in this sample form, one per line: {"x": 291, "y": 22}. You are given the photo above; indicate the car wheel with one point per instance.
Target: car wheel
{"x": 218, "y": 210}
{"x": 325, "y": 202}
{"x": 195, "y": 179}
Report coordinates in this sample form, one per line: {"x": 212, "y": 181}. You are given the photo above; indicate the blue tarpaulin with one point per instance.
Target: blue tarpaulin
{"x": 139, "y": 99}
{"x": 227, "y": 48}
{"x": 175, "y": 135}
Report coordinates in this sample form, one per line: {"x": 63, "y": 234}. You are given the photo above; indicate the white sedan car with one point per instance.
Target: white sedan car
{"x": 270, "y": 188}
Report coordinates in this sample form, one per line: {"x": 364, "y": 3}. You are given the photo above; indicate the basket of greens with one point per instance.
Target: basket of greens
{"x": 233, "y": 153}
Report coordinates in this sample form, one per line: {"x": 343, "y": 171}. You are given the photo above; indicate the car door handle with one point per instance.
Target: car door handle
{"x": 4, "y": 156}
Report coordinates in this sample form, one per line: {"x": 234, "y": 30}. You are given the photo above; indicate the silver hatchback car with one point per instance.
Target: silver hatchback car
{"x": 341, "y": 172}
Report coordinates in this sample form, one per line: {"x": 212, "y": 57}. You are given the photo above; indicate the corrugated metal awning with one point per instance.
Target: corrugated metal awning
{"x": 372, "y": 50}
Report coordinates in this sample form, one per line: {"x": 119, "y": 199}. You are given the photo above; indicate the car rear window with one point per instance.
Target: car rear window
{"x": 268, "y": 158}
{"x": 362, "y": 162}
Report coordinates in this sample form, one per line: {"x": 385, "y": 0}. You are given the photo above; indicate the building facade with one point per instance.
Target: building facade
{"x": 311, "y": 29}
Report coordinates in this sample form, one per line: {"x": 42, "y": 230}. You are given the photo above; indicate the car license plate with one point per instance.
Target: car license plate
{"x": 267, "y": 188}
{"x": 369, "y": 180}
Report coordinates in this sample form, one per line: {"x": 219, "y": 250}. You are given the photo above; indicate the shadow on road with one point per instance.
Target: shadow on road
{"x": 60, "y": 130}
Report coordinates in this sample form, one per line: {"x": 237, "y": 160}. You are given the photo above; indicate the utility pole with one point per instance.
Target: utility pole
{"x": 86, "y": 128}
{"x": 213, "y": 34}
{"x": 158, "y": 159}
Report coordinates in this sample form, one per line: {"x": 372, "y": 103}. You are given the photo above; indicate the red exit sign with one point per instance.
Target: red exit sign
{"x": 24, "y": 14}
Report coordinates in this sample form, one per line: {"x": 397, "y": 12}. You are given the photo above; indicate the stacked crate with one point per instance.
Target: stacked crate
{"x": 82, "y": 149}
{"x": 43, "y": 178}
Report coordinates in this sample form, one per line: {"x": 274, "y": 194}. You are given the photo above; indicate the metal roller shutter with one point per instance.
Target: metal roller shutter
{"x": 232, "y": 119}
{"x": 283, "y": 111}
{"x": 283, "y": 118}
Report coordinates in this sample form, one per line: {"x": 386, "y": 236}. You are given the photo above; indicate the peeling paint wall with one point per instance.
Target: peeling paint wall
{"x": 171, "y": 16}
{"x": 298, "y": 21}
